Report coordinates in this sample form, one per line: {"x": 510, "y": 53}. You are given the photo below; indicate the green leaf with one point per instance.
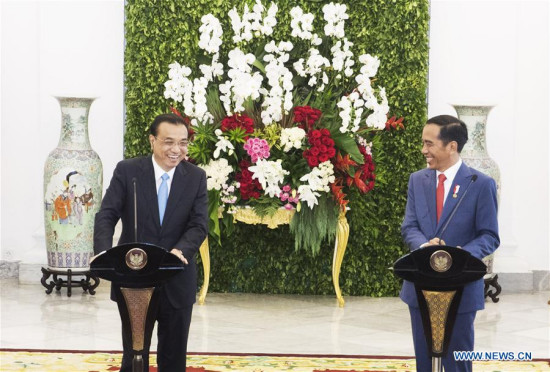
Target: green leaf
{"x": 347, "y": 144}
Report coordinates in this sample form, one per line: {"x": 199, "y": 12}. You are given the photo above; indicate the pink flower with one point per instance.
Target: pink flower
{"x": 286, "y": 188}
{"x": 288, "y": 206}
{"x": 257, "y": 149}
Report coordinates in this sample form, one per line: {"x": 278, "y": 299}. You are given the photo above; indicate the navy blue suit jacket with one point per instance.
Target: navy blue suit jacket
{"x": 185, "y": 223}
{"x": 474, "y": 226}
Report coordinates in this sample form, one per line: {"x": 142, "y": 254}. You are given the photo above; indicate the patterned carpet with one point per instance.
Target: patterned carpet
{"x": 79, "y": 361}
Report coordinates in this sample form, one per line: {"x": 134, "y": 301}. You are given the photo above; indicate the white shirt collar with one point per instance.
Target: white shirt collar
{"x": 159, "y": 171}
{"x": 450, "y": 175}
{"x": 451, "y": 172}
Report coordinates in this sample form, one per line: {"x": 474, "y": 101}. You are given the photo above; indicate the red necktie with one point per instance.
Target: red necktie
{"x": 440, "y": 195}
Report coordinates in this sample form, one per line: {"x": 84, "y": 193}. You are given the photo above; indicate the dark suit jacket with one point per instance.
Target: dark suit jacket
{"x": 185, "y": 224}
{"x": 474, "y": 227}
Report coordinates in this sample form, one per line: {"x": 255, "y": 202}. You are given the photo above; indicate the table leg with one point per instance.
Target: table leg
{"x": 342, "y": 235}
{"x": 205, "y": 257}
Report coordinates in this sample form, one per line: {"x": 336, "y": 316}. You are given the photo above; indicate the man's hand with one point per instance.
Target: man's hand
{"x": 179, "y": 254}
{"x": 436, "y": 241}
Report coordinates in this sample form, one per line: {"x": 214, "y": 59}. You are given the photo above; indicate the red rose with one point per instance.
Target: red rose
{"x": 327, "y": 141}
{"x": 314, "y": 151}
{"x": 249, "y": 187}
{"x": 306, "y": 115}
{"x": 312, "y": 161}
{"x": 238, "y": 121}
{"x": 325, "y": 132}
{"x": 323, "y": 149}
{"x": 316, "y": 142}
{"x": 315, "y": 133}
{"x": 331, "y": 152}
{"x": 323, "y": 158}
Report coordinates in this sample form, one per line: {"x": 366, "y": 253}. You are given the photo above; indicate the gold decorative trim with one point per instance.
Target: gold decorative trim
{"x": 441, "y": 261}
{"x": 137, "y": 301}
{"x": 342, "y": 235}
{"x": 136, "y": 258}
{"x": 205, "y": 258}
{"x": 248, "y": 216}
{"x": 438, "y": 308}
{"x": 281, "y": 217}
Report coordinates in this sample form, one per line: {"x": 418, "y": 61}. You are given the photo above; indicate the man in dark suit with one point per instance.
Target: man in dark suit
{"x": 172, "y": 210}
{"x": 432, "y": 195}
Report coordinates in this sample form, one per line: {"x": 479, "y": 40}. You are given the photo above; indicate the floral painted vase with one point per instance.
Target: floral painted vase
{"x": 474, "y": 153}
{"x": 73, "y": 184}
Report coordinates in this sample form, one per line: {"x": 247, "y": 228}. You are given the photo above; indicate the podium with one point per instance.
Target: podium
{"x": 137, "y": 271}
{"x": 439, "y": 274}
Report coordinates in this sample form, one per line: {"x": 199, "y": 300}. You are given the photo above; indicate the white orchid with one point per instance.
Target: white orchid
{"x": 342, "y": 57}
{"x": 307, "y": 195}
{"x": 270, "y": 174}
{"x": 211, "y": 33}
{"x": 242, "y": 84}
{"x": 318, "y": 179}
{"x": 253, "y": 23}
{"x": 223, "y": 145}
{"x": 292, "y": 138}
{"x": 370, "y": 65}
{"x": 192, "y": 93}
{"x": 217, "y": 173}
{"x": 279, "y": 78}
{"x": 335, "y": 15}
{"x": 302, "y": 26}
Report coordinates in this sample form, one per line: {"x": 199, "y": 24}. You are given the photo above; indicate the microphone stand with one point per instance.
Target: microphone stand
{"x": 474, "y": 178}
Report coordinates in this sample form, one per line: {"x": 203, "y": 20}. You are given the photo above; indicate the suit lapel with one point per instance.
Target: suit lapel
{"x": 177, "y": 190}
{"x": 150, "y": 189}
{"x": 462, "y": 179}
{"x": 429, "y": 191}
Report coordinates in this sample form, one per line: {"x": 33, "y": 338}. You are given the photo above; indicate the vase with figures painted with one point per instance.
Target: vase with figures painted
{"x": 474, "y": 153}
{"x": 73, "y": 184}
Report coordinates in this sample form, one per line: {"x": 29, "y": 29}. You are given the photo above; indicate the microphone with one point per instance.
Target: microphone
{"x": 473, "y": 179}
{"x": 134, "y": 182}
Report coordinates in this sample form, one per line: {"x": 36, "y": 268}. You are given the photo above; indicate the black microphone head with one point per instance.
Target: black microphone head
{"x": 134, "y": 179}
{"x": 474, "y": 178}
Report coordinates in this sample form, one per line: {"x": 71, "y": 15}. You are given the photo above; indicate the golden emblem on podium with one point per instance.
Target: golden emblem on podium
{"x": 441, "y": 261}
{"x": 136, "y": 259}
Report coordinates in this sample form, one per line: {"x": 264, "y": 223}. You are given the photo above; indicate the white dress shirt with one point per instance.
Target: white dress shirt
{"x": 158, "y": 175}
{"x": 450, "y": 173}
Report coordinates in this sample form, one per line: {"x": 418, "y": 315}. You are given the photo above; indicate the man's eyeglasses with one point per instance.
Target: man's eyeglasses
{"x": 168, "y": 143}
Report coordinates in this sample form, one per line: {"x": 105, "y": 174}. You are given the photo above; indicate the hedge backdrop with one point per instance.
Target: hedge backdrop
{"x": 255, "y": 258}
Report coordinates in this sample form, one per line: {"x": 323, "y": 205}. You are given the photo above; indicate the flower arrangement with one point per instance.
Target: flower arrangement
{"x": 282, "y": 124}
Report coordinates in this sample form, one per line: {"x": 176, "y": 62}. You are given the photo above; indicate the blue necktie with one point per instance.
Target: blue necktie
{"x": 163, "y": 195}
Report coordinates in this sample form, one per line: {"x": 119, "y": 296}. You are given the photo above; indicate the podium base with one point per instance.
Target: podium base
{"x": 58, "y": 283}
{"x": 437, "y": 365}
{"x": 137, "y": 363}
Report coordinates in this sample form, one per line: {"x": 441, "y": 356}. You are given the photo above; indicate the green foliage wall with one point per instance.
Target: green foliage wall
{"x": 255, "y": 258}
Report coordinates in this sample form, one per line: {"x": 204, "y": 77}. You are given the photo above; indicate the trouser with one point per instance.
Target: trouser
{"x": 462, "y": 339}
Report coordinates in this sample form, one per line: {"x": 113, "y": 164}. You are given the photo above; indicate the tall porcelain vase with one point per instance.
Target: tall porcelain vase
{"x": 73, "y": 178}
{"x": 474, "y": 153}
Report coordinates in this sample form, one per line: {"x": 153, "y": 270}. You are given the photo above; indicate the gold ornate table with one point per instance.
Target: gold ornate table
{"x": 282, "y": 217}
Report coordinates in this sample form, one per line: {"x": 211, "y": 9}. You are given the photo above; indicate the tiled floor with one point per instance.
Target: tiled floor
{"x": 248, "y": 323}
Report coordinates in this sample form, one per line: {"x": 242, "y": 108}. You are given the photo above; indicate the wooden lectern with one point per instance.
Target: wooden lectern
{"x": 439, "y": 274}
{"x": 137, "y": 271}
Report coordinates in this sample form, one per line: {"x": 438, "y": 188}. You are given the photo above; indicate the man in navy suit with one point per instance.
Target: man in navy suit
{"x": 172, "y": 210}
{"x": 474, "y": 227}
